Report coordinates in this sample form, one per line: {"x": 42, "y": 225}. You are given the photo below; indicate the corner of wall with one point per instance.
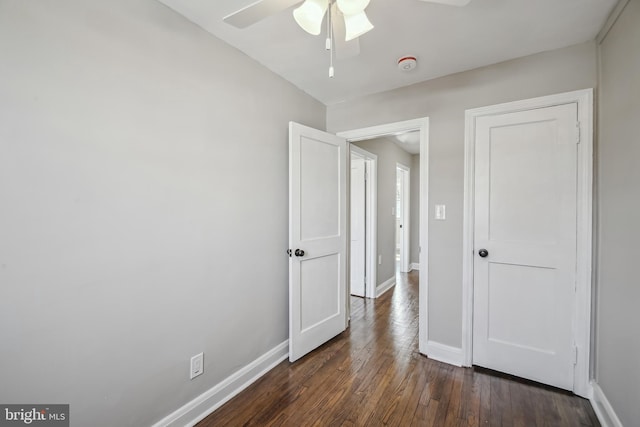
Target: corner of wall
{"x": 611, "y": 20}
{"x": 444, "y": 353}
{"x": 603, "y": 409}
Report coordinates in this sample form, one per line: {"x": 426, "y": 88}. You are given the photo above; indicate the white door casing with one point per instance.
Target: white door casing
{"x": 317, "y": 238}
{"x": 421, "y": 125}
{"x": 357, "y": 230}
{"x": 371, "y": 203}
{"x": 525, "y": 243}
{"x": 504, "y": 263}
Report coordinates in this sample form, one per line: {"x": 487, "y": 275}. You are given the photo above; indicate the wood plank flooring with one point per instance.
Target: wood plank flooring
{"x": 373, "y": 375}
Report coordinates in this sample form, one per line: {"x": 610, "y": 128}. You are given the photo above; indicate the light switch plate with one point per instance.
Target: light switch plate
{"x": 197, "y": 365}
{"x": 441, "y": 212}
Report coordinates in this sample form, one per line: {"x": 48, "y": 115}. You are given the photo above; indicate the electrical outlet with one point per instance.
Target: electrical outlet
{"x": 197, "y": 365}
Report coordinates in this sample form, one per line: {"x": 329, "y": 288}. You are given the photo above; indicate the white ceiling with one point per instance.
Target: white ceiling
{"x": 445, "y": 39}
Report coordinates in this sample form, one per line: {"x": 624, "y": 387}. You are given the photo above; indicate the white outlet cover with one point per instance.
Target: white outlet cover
{"x": 197, "y": 365}
{"x": 441, "y": 212}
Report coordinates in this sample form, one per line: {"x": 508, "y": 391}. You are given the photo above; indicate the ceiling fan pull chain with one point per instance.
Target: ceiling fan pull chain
{"x": 327, "y": 44}
{"x": 330, "y": 37}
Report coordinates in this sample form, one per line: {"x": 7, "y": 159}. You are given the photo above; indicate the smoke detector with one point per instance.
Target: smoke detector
{"x": 407, "y": 63}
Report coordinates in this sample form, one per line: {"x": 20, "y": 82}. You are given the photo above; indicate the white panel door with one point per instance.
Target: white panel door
{"x": 402, "y": 216}
{"x": 357, "y": 230}
{"x": 317, "y": 238}
{"x": 525, "y": 220}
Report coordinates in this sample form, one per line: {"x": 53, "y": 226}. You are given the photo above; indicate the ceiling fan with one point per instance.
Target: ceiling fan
{"x": 346, "y": 20}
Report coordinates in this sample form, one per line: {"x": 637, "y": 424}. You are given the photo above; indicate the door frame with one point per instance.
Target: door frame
{"x": 371, "y": 219}
{"x": 421, "y": 125}
{"x": 406, "y": 210}
{"x": 583, "y": 304}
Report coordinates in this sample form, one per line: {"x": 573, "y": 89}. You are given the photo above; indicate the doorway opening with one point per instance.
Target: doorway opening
{"x": 319, "y": 164}
{"x": 416, "y": 130}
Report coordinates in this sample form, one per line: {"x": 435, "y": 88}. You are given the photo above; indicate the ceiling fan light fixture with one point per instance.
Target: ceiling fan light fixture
{"x": 309, "y": 15}
{"x": 356, "y": 25}
{"x": 352, "y": 7}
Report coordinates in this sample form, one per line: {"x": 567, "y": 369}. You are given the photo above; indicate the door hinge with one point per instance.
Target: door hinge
{"x": 575, "y": 354}
{"x": 577, "y": 132}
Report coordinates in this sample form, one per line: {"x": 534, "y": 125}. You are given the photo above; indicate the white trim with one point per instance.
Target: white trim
{"x": 415, "y": 266}
{"x": 385, "y": 130}
{"x": 582, "y": 316}
{"x": 611, "y": 20}
{"x": 603, "y": 409}
{"x": 385, "y": 286}
{"x": 444, "y": 353}
{"x": 421, "y": 125}
{"x": 197, "y": 409}
{"x": 371, "y": 221}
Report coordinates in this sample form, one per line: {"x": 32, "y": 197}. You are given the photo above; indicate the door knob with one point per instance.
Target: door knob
{"x": 483, "y": 253}
{"x": 299, "y": 252}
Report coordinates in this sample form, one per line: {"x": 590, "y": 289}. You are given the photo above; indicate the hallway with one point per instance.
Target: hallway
{"x": 372, "y": 374}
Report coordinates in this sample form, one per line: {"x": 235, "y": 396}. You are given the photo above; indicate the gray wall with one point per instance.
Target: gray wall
{"x": 618, "y": 337}
{"x": 389, "y": 154}
{"x": 136, "y": 152}
{"x": 444, "y": 101}
{"x": 415, "y": 208}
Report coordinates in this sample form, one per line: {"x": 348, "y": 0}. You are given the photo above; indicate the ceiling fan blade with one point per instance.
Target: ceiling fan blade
{"x": 344, "y": 49}
{"x": 257, "y": 11}
{"x": 450, "y": 2}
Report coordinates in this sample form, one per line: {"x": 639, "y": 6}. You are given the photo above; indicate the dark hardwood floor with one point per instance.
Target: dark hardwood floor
{"x": 372, "y": 374}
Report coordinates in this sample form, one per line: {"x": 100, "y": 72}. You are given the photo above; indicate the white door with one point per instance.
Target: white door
{"x": 357, "y": 230}
{"x": 525, "y": 243}
{"x": 317, "y": 238}
{"x": 402, "y": 218}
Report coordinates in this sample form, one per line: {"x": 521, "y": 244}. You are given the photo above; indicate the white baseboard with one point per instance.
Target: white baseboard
{"x": 414, "y": 266}
{"x": 444, "y": 353}
{"x": 197, "y": 409}
{"x": 385, "y": 286}
{"x": 603, "y": 409}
